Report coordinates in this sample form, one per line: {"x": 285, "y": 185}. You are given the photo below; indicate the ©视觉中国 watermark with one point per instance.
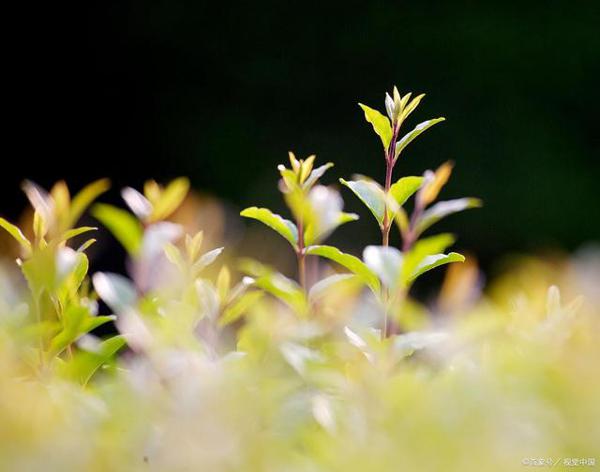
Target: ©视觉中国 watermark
{"x": 566, "y": 462}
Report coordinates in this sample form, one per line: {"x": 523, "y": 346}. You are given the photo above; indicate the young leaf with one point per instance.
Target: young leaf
{"x": 443, "y": 209}
{"x": 316, "y": 175}
{"x": 371, "y": 194}
{"x": 284, "y": 227}
{"x": 404, "y": 188}
{"x": 350, "y": 262}
{"x": 122, "y": 224}
{"x": 412, "y": 135}
{"x": 381, "y": 124}
{"x": 436, "y": 260}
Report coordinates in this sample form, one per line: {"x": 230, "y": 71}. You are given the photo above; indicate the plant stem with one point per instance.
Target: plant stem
{"x": 387, "y": 222}
{"x": 389, "y": 167}
{"x": 301, "y": 255}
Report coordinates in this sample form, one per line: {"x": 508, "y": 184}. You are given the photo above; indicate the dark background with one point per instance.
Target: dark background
{"x": 221, "y": 92}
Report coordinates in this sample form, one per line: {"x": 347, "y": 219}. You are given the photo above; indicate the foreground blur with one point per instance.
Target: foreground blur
{"x": 480, "y": 382}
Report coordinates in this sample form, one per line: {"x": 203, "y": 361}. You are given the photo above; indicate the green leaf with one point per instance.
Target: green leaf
{"x": 76, "y": 232}
{"x": 122, "y": 224}
{"x": 85, "y": 198}
{"x": 278, "y": 285}
{"x": 412, "y": 135}
{"x": 86, "y": 363}
{"x": 316, "y": 174}
{"x": 443, "y": 209}
{"x": 404, "y": 188}
{"x": 436, "y": 260}
{"x": 350, "y": 262}
{"x": 284, "y": 227}
{"x": 381, "y": 124}
{"x": 16, "y": 233}
{"x": 422, "y": 249}
{"x": 371, "y": 194}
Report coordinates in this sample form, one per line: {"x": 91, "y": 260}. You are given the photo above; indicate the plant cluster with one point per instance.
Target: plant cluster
{"x": 243, "y": 368}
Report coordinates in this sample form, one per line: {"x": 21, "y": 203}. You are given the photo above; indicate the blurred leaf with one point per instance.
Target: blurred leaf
{"x": 381, "y": 124}
{"x": 85, "y": 363}
{"x": 434, "y": 182}
{"x": 122, "y": 224}
{"x": 412, "y": 135}
{"x": 170, "y": 199}
{"x": 319, "y": 289}
{"x": 386, "y": 262}
{"x": 284, "y": 227}
{"x": 206, "y": 259}
{"x": 85, "y": 198}
{"x": 371, "y": 194}
{"x": 115, "y": 290}
{"x": 443, "y": 209}
{"x": 137, "y": 203}
{"x": 239, "y": 307}
{"x": 76, "y": 232}
{"x": 278, "y": 285}
{"x": 350, "y": 262}
{"x": 16, "y": 233}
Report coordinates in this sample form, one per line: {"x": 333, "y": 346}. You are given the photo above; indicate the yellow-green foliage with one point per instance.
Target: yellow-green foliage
{"x": 245, "y": 368}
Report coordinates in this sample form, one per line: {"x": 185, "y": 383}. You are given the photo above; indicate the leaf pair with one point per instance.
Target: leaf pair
{"x": 389, "y": 267}
{"x": 375, "y": 199}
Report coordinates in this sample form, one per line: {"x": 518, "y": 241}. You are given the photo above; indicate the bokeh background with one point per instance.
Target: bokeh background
{"x": 220, "y": 92}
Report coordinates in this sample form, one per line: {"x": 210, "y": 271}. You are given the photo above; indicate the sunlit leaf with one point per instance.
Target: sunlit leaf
{"x": 431, "y": 262}
{"x": 445, "y": 208}
{"x": 404, "y": 188}
{"x": 371, "y": 194}
{"x": 350, "y": 262}
{"x": 412, "y": 135}
{"x": 284, "y": 227}
{"x": 381, "y": 124}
